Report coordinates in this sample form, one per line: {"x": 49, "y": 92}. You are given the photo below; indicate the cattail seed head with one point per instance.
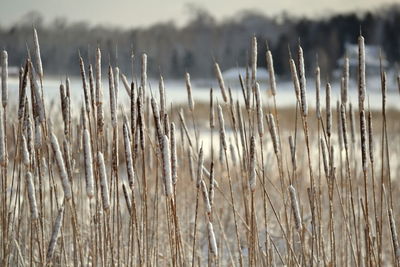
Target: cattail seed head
{"x": 4, "y": 78}
{"x": 344, "y": 125}
{"x": 295, "y": 79}
{"x": 363, "y": 130}
{"x": 61, "y": 167}
{"x": 303, "y": 86}
{"x": 25, "y": 152}
{"x": 393, "y": 231}
{"x": 113, "y": 100}
{"x": 125, "y": 83}
{"x": 213, "y": 242}
{"x": 127, "y": 198}
{"x": 116, "y": 83}
{"x": 87, "y": 151}
{"x": 221, "y": 83}
{"x": 222, "y": 128}
{"x": 143, "y": 81}
{"x": 295, "y": 208}
{"x": 31, "y": 196}
{"x": 38, "y": 59}
{"x": 361, "y": 72}
{"x": 128, "y": 156}
{"x": 55, "y": 234}
{"x": 252, "y": 175}
{"x": 253, "y": 60}
{"x": 260, "y": 114}
{"x": 167, "y": 167}
{"x": 271, "y": 72}
{"x": 328, "y": 110}
{"x": 103, "y": 181}
{"x": 205, "y": 197}
{"x": 370, "y": 137}
{"x": 161, "y": 88}
{"x": 200, "y": 164}
{"x": 273, "y": 132}
{"x": 189, "y": 92}
{"x": 324, "y": 156}
{"x": 317, "y": 92}
{"x": 212, "y": 183}
{"x": 174, "y": 158}
{"x": 293, "y": 152}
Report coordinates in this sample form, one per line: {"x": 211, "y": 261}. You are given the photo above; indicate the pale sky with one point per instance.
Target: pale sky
{"x": 133, "y": 13}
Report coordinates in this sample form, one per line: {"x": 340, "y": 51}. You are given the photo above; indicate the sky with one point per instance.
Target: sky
{"x": 133, "y": 13}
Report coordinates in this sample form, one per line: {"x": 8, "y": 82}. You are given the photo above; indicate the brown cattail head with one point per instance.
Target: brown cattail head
{"x": 200, "y": 164}
{"x": 363, "y": 132}
{"x": 174, "y": 158}
{"x": 113, "y": 99}
{"x": 35, "y": 88}
{"x": 344, "y": 125}
{"x": 161, "y": 89}
{"x": 260, "y": 114}
{"x": 128, "y": 155}
{"x": 317, "y": 92}
{"x": 222, "y": 128}
{"x": 393, "y": 231}
{"x": 4, "y": 78}
{"x": 84, "y": 84}
{"x": 370, "y": 137}
{"x": 103, "y": 181}
{"x": 220, "y": 81}
{"x": 295, "y": 208}
{"x": 87, "y": 151}
{"x": 328, "y": 110}
{"x": 25, "y": 152}
{"x": 295, "y": 79}
{"x": 252, "y": 174}
{"x": 189, "y": 92}
{"x": 31, "y": 196}
{"x": 143, "y": 81}
{"x": 55, "y": 233}
{"x": 273, "y": 132}
{"x": 293, "y": 152}
{"x": 22, "y": 90}
{"x": 212, "y": 183}
{"x": 361, "y": 72}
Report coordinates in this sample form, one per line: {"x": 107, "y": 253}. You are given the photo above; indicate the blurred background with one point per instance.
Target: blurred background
{"x": 181, "y": 36}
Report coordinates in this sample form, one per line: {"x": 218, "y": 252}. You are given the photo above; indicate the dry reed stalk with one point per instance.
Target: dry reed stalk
{"x": 125, "y": 83}
{"x": 207, "y": 203}
{"x": 31, "y": 196}
{"x": 61, "y": 167}
{"x": 87, "y": 152}
{"x": 3, "y": 148}
{"x": 295, "y": 208}
{"x": 221, "y": 83}
{"x": 92, "y": 89}
{"x": 200, "y": 164}
{"x": 116, "y": 83}
{"x": 103, "y": 181}
{"x": 191, "y": 166}
{"x": 344, "y": 125}
{"x": 127, "y": 198}
{"x": 212, "y": 183}
{"x": 55, "y": 234}
{"x": 4, "y": 78}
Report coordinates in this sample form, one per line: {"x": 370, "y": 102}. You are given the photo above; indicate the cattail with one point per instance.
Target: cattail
{"x": 87, "y": 151}
{"x": 252, "y": 175}
{"x": 3, "y": 151}
{"x": 141, "y": 118}
{"x": 259, "y": 111}
{"x": 233, "y": 153}
{"x": 212, "y": 115}
{"x": 103, "y": 181}
{"x": 183, "y": 123}
{"x": 332, "y": 163}
{"x": 133, "y": 102}
{"x": 271, "y": 72}
{"x": 303, "y": 86}
{"x": 84, "y": 84}
{"x": 38, "y": 135}
{"x": 339, "y": 125}
{"x": 295, "y": 79}
{"x": 167, "y": 166}
{"x": 220, "y": 81}
{"x": 174, "y": 160}
{"x": 200, "y": 163}
{"x": 161, "y": 88}
{"x": 143, "y": 81}
{"x": 128, "y": 156}
{"x": 213, "y": 242}
{"x": 370, "y": 138}
{"x": 295, "y": 208}
{"x": 191, "y": 166}
{"x": 324, "y": 156}
{"x": 212, "y": 183}
{"x": 61, "y": 167}
{"x": 293, "y": 152}
{"x": 39, "y": 107}
{"x": 116, "y": 83}
{"x": 4, "y": 78}
{"x": 167, "y": 130}
{"x": 31, "y": 196}
{"x": 189, "y": 92}
{"x": 344, "y": 125}
{"x": 272, "y": 130}
{"x": 157, "y": 121}
{"x": 99, "y": 92}
{"x": 113, "y": 100}
{"x": 55, "y": 233}
{"x": 328, "y": 110}
{"x": 92, "y": 88}
{"x": 22, "y": 92}
{"x": 127, "y": 199}
{"x": 24, "y": 151}
{"x": 317, "y": 92}
{"x": 205, "y": 197}
{"x": 125, "y": 83}
{"x": 64, "y": 108}
{"x": 363, "y": 130}
{"x": 361, "y": 72}
{"x": 253, "y": 60}
{"x": 384, "y": 90}
{"x": 222, "y": 128}
{"x": 38, "y": 59}
{"x": 346, "y": 77}
{"x": 393, "y": 231}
